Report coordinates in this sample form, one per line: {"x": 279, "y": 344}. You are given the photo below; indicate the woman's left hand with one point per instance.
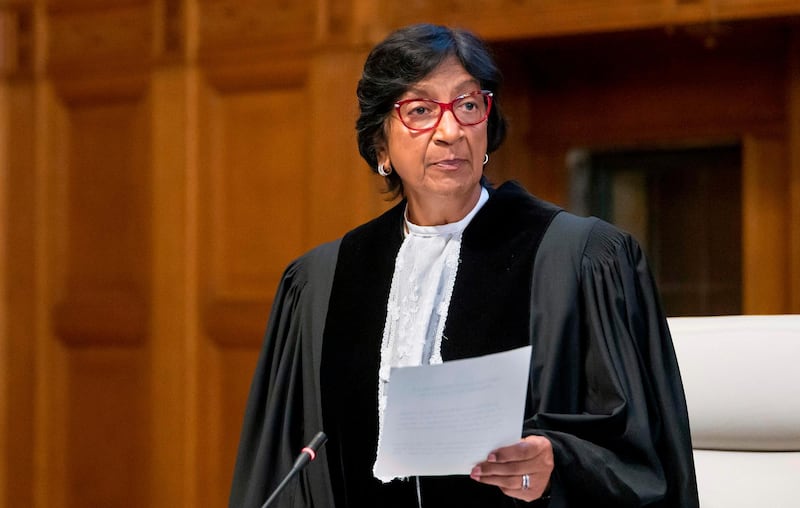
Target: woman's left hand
{"x": 507, "y": 468}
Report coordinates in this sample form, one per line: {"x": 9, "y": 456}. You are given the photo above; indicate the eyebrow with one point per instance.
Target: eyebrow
{"x": 461, "y": 86}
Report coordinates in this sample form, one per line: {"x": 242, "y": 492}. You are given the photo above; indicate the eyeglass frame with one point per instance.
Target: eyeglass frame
{"x": 446, "y": 106}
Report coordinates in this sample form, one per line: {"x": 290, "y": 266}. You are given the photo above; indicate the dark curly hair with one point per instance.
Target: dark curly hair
{"x": 405, "y": 57}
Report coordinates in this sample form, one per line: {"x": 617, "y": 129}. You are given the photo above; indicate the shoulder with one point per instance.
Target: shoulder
{"x": 583, "y": 236}
{"x": 323, "y": 254}
{"x": 606, "y": 241}
{"x": 584, "y": 241}
{"x": 315, "y": 263}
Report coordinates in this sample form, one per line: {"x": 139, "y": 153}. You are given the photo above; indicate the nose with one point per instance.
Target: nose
{"x": 448, "y": 130}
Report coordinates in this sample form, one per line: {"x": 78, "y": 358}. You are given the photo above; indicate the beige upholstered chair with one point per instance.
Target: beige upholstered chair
{"x": 741, "y": 375}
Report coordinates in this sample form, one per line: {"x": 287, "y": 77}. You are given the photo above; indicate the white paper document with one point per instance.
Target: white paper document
{"x": 443, "y": 419}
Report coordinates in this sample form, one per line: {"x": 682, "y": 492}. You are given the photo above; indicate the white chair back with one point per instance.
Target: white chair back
{"x": 741, "y": 375}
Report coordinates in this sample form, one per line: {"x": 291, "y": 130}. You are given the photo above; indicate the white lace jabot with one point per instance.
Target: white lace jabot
{"x": 424, "y": 274}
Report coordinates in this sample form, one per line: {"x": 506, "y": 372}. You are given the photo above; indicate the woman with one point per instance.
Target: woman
{"x": 458, "y": 269}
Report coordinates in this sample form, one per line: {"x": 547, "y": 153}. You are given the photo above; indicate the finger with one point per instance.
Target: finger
{"x": 526, "y": 449}
{"x": 517, "y": 468}
{"x": 509, "y": 482}
{"x": 513, "y": 485}
{"x": 533, "y": 454}
{"x": 497, "y": 474}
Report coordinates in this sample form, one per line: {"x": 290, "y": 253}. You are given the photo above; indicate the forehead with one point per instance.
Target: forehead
{"x": 445, "y": 81}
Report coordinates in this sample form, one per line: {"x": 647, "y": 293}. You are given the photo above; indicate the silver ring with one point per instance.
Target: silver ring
{"x": 526, "y": 481}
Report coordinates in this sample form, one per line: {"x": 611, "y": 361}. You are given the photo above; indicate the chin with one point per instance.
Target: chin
{"x": 455, "y": 187}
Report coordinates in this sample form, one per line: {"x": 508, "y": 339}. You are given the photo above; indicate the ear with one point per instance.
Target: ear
{"x": 382, "y": 154}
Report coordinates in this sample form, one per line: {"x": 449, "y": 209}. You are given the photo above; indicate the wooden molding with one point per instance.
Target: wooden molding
{"x": 172, "y": 32}
{"x": 236, "y": 323}
{"x": 236, "y": 24}
{"x": 102, "y": 318}
{"x": 16, "y": 40}
{"x": 256, "y": 68}
{"x": 119, "y": 37}
{"x": 102, "y": 87}
{"x": 521, "y": 19}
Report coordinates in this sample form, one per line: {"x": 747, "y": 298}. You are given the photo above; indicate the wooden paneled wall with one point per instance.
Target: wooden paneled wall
{"x": 656, "y": 89}
{"x": 162, "y": 161}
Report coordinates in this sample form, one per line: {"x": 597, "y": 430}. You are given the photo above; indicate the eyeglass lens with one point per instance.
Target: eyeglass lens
{"x": 423, "y": 114}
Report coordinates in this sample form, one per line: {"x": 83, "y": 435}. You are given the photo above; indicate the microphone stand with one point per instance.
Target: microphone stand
{"x": 307, "y": 454}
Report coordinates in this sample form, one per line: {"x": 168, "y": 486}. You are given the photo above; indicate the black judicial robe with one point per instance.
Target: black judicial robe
{"x": 604, "y": 386}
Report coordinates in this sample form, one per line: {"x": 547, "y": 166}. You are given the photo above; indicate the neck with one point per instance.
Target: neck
{"x": 441, "y": 210}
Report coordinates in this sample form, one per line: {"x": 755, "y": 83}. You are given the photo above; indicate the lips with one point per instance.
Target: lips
{"x": 449, "y": 164}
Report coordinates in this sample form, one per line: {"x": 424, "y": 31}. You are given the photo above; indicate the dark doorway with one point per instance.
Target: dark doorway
{"x": 684, "y": 206}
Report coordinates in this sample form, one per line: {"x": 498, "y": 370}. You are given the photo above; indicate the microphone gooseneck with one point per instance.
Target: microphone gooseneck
{"x": 307, "y": 454}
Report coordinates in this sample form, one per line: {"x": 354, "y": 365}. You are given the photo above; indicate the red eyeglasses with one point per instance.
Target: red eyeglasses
{"x": 425, "y": 114}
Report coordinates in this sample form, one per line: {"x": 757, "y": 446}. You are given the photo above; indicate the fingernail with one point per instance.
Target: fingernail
{"x": 475, "y": 473}
{"x": 492, "y": 458}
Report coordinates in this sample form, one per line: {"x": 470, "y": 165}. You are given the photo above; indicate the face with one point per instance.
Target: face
{"x": 443, "y": 166}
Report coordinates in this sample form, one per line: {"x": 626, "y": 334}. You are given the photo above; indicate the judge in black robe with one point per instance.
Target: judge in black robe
{"x": 604, "y": 386}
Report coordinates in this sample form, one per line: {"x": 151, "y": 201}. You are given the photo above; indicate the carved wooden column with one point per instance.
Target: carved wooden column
{"x": 19, "y": 62}
{"x": 95, "y": 419}
{"x": 765, "y": 235}
{"x": 175, "y": 440}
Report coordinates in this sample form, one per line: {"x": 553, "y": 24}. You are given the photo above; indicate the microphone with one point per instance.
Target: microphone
{"x": 307, "y": 454}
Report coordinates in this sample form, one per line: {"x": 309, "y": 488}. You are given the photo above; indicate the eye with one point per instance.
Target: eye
{"x": 469, "y": 105}
{"x": 418, "y": 108}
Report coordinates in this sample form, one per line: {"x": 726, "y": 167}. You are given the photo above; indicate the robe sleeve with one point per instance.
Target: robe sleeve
{"x": 605, "y": 385}
{"x": 283, "y": 408}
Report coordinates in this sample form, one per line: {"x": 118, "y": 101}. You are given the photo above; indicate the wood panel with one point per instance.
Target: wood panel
{"x": 345, "y": 191}
{"x": 106, "y": 427}
{"x": 104, "y": 222}
{"x": 238, "y": 24}
{"x": 743, "y": 9}
{"x": 765, "y": 235}
{"x": 99, "y": 37}
{"x": 520, "y": 19}
{"x": 18, "y": 186}
{"x": 96, "y": 371}
{"x": 93, "y": 424}
{"x": 254, "y": 192}
{"x": 227, "y": 374}
{"x": 615, "y": 88}
{"x": 253, "y": 161}
{"x": 524, "y": 19}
